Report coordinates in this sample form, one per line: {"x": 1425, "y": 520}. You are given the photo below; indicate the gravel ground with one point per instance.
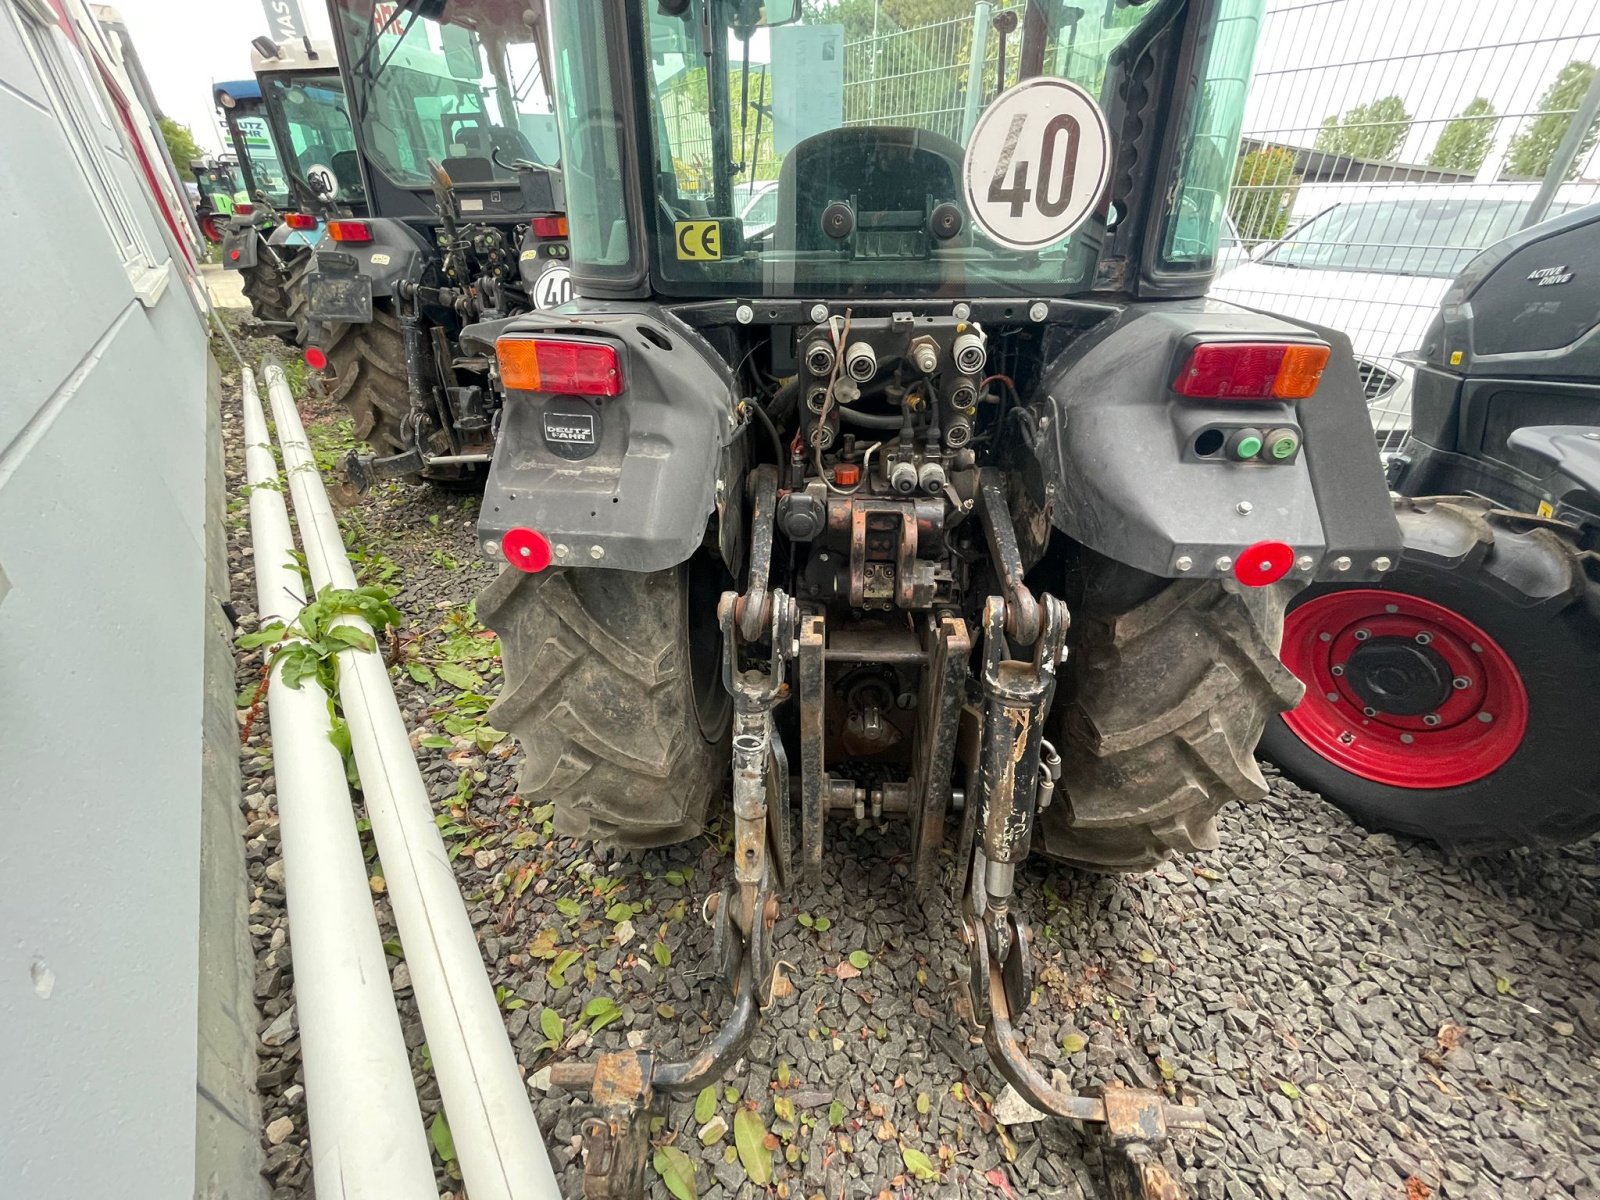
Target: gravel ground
{"x": 1361, "y": 1017}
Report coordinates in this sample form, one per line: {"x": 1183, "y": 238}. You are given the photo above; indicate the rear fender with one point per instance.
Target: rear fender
{"x": 395, "y": 254}
{"x": 240, "y": 245}
{"x": 629, "y": 481}
{"x": 1122, "y": 473}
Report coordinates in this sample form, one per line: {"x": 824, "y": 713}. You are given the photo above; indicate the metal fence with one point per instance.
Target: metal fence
{"x": 1390, "y": 142}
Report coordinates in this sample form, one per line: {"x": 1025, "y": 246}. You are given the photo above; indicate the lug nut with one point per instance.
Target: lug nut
{"x": 1336, "y": 669}
{"x": 1362, "y": 635}
{"x": 1424, "y": 638}
{"x": 1461, "y": 683}
{"x": 1369, "y": 712}
{"x": 1407, "y": 739}
{"x": 1485, "y": 717}
{"x": 1430, "y": 719}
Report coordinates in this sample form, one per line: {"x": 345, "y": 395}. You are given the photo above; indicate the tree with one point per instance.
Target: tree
{"x": 1532, "y": 150}
{"x": 1467, "y": 138}
{"x": 1372, "y": 131}
{"x": 180, "y": 144}
{"x": 1262, "y": 196}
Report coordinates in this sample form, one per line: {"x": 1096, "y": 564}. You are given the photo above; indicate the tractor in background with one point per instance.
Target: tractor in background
{"x": 1457, "y": 702}
{"x": 219, "y": 193}
{"x": 455, "y": 135}
{"x": 290, "y": 126}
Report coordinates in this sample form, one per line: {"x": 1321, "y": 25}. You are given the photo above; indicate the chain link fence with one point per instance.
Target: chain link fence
{"x": 1386, "y": 143}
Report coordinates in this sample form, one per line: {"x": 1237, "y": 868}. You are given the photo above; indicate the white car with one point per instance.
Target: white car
{"x": 1376, "y": 268}
{"x": 758, "y": 207}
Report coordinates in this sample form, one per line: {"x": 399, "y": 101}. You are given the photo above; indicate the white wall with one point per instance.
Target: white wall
{"x": 103, "y": 523}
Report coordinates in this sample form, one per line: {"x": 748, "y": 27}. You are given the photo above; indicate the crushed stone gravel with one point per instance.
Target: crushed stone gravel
{"x": 1360, "y": 1017}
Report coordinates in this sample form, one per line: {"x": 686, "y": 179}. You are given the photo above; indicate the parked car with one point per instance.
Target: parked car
{"x": 757, "y": 205}
{"x": 1376, "y": 267}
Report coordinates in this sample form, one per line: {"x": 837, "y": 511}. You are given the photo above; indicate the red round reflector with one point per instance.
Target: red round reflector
{"x": 315, "y": 359}
{"x": 526, "y": 550}
{"x": 1263, "y": 563}
{"x": 233, "y": 254}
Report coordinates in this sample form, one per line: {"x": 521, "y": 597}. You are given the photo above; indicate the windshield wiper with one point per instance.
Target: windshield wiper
{"x": 364, "y": 70}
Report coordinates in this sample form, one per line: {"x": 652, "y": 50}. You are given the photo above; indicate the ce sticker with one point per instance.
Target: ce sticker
{"x": 699, "y": 241}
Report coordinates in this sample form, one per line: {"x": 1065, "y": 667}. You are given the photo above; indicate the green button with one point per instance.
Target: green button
{"x": 1284, "y": 447}
{"x": 1248, "y": 447}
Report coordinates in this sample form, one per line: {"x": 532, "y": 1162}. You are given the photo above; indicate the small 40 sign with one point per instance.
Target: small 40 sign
{"x": 1037, "y": 162}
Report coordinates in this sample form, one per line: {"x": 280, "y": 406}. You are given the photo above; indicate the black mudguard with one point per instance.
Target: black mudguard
{"x": 1116, "y": 448}
{"x": 240, "y": 245}
{"x": 629, "y": 481}
{"x": 395, "y": 254}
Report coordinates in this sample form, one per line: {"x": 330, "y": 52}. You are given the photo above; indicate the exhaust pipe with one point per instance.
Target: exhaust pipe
{"x": 501, "y": 1151}
{"x": 366, "y": 1125}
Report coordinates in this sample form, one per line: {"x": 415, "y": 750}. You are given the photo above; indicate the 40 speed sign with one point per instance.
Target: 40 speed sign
{"x": 1037, "y": 161}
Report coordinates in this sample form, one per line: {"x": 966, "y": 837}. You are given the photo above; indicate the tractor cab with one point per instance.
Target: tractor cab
{"x": 244, "y": 115}
{"x": 309, "y": 117}
{"x": 455, "y": 137}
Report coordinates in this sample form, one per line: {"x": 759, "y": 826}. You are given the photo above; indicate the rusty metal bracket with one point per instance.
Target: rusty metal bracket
{"x": 944, "y": 681}
{"x": 1022, "y": 610}
{"x": 752, "y": 609}
{"x": 1137, "y": 1164}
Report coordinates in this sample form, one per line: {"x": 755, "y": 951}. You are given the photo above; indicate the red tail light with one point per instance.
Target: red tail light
{"x": 552, "y": 365}
{"x": 1252, "y": 370}
{"x": 549, "y": 227}
{"x": 299, "y": 220}
{"x": 243, "y": 210}
{"x": 350, "y": 231}
{"x": 315, "y": 359}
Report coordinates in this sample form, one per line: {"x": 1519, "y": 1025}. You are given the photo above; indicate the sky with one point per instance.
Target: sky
{"x": 185, "y": 45}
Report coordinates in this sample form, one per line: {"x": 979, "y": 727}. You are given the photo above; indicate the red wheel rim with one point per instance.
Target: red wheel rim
{"x": 208, "y": 226}
{"x": 1402, "y": 691}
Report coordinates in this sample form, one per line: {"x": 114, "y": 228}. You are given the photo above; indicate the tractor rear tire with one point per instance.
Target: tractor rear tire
{"x": 1513, "y": 645}
{"x": 368, "y": 362}
{"x": 299, "y": 266}
{"x": 614, "y": 691}
{"x": 1161, "y": 704}
{"x": 266, "y": 287}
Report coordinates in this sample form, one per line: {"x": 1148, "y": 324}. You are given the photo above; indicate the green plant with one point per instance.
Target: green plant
{"x": 1467, "y": 139}
{"x": 1372, "y": 131}
{"x": 308, "y": 646}
{"x": 180, "y": 144}
{"x": 1262, "y": 196}
{"x": 1532, "y": 149}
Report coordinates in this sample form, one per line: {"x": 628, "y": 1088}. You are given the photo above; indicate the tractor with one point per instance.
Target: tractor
{"x": 291, "y": 128}
{"x": 1457, "y": 702}
{"x": 455, "y": 134}
{"x": 219, "y": 192}
{"x": 939, "y": 496}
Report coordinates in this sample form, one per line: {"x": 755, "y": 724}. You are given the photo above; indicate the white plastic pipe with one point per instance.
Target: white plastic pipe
{"x": 498, "y": 1144}
{"x": 366, "y": 1127}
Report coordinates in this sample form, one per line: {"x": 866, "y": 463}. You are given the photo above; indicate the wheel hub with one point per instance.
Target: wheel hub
{"x": 1398, "y": 676}
{"x": 1402, "y": 691}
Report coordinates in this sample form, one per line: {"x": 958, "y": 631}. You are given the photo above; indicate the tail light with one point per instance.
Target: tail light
{"x": 315, "y": 358}
{"x": 350, "y": 231}
{"x": 1252, "y": 370}
{"x": 549, "y": 227}
{"x": 243, "y": 210}
{"x": 299, "y": 220}
{"x": 556, "y": 365}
